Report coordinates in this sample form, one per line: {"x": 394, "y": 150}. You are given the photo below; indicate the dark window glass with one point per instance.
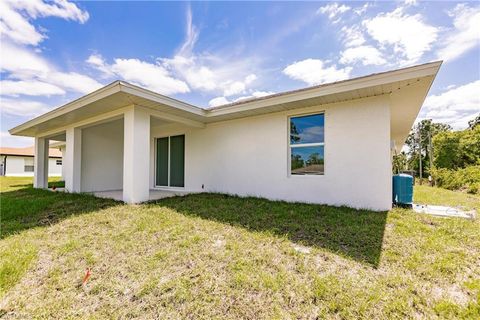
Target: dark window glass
{"x": 162, "y": 162}
{"x": 307, "y": 129}
{"x": 177, "y": 161}
{"x": 307, "y": 160}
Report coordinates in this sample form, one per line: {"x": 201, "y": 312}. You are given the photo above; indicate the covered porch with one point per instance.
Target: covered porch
{"x": 111, "y": 153}
{"x": 112, "y": 157}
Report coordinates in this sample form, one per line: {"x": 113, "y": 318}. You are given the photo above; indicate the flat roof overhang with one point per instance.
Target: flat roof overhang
{"x": 407, "y": 89}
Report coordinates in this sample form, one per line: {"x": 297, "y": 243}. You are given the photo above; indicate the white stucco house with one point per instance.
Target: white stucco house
{"x": 19, "y": 162}
{"x": 329, "y": 144}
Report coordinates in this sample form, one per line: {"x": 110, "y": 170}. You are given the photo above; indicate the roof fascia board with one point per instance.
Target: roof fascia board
{"x": 69, "y": 107}
{"x": 102, "y": 118}
{"x": 425, "y": 70}
{"x": 156, "y": 97}
{"x": 349, "y": 85}
{"x": 171, "y": 117}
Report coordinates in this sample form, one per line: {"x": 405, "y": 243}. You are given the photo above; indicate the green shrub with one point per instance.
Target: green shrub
{"x": 467, "y": 179}
{"x": 474, "y": 188}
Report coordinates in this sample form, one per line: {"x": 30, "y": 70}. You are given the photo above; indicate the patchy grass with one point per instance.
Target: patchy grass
{"x": 24, "y": 207}
{"x": 14, "y": 262}
{"x": 432, "y": 195}
{"x": 214, "y": 256}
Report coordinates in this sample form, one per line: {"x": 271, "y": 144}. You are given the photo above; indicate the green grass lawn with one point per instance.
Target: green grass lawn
{"x": 214, "y": 256}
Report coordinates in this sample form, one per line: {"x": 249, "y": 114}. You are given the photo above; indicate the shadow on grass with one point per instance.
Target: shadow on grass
{"x": 29, "y": 208}
{"x": 357, "y": 234}
{"x": 51, "y": 184}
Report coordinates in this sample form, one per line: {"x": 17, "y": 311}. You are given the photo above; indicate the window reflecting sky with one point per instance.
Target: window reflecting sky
{"x": 307, "y": 129}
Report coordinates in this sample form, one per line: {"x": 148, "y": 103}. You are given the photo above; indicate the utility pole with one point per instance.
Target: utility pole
{"x": 419, "y": 136}
{"x": 430, "y": 154}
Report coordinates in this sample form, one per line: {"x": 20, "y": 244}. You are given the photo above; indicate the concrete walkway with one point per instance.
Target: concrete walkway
{"x": 443, "y": 211}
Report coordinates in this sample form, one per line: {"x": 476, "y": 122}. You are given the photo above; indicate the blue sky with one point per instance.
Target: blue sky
{"x": 212, "y": 53}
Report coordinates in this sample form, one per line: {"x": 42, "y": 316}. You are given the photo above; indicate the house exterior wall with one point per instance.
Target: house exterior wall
{"x": 102, "y": 157}
{"x": 249, "y": 156}
{"x": 15, "y": 166}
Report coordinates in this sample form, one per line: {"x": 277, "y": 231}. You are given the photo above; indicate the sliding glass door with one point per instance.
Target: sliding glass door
{"x": 170, "y": 161}
{"x": 162, "y": 162}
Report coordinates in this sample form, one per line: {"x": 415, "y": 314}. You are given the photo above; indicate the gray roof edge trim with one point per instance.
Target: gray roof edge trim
{"x": 122, "y": 86}
{"x": 114, "y": 87}
{"x": 305, "y": 93}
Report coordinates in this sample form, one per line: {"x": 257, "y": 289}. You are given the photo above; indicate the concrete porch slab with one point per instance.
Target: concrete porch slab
{"x": 154, "y": 194}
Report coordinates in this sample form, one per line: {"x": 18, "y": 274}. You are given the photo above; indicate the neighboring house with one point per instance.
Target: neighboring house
{"x": 61, "y": 147}
{"x": 19, "y": 162}
{"x": 329, "y": 144}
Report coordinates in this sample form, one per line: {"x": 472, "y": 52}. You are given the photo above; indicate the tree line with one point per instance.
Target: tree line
{"x": 433, "y": 149}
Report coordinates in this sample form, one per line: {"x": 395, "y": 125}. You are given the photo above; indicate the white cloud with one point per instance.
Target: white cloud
{"x": 218, "y": 101}
{"x": 14, "y": 26}
{"x": 233, "y": 88}
{"x": 28, "y": 73}
{"x": 367, "y": 55}
{"x": 360, "y": 11}
{"x": 15, "y": 18}
{"x": 455, "y": 106}
{"x": 191, "y": 34}
{"x": 466, "y": 34}
{"x": 315, "y": 133}
{"x": 7, "y": 140}
{"x": 24, "y": 70}
{"x": 211, "y": 73}
{"x": 197, "y": 75}
{"x": 39, "y": 75}
{"x": 184, "y": 71}
{"x": 333, "y": 10}
{"x": 56, "y": 8}
{"x": 352, "y": 36}
{"x": 215, "y": 102}
{"x": 24, "y": 108}
{"x": 254, "y": 94}
{"x": 21, "y": 61}
{"x": 409, "y": 35}
{"x": 410, "y": 2}
{"x": 314, "y": 71}
{"x": 73, "y": 81}
{"x": 153, "y": 76}
{"x": 31, "y": 88}
{"x": 207, "y": 72}
{"x": 238, "y": 87}
{"x": 96, "y": 60}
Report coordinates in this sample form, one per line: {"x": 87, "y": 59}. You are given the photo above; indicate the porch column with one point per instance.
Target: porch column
{"x": 40, "y": 179}
{"x": 62, "y": 149}
{"x": 73, "y": 160}
{"x": 136, "y": 155}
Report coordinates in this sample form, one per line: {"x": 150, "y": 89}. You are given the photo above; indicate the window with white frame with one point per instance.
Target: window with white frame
{"x": 28, "y": 165}
{"x": 306, "y": 145}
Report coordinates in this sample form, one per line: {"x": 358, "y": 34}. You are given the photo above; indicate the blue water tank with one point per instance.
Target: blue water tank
{"x": 403, "y": 189}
